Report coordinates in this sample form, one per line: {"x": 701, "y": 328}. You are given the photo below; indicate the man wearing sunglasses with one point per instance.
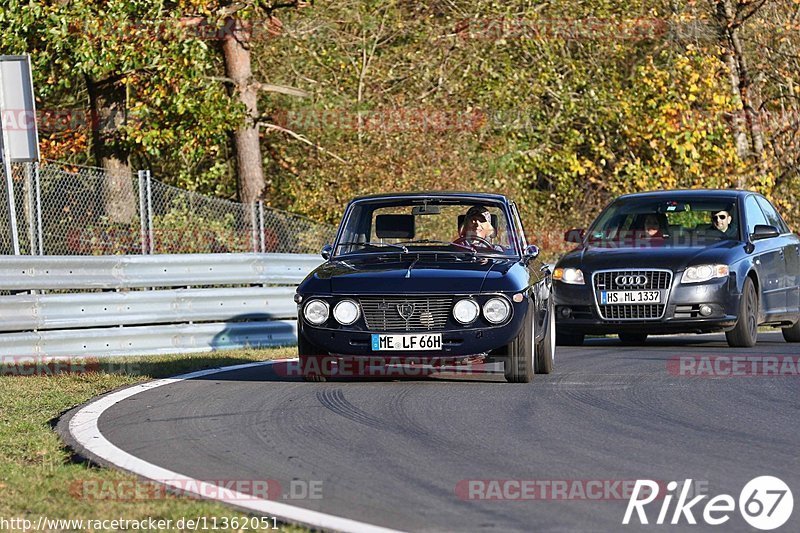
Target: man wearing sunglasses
{"x": 477, "y": 230}
{"x": 722, "y": 224}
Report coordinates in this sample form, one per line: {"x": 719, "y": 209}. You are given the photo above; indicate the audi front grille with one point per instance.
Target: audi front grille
{"x": 632, "y": 280}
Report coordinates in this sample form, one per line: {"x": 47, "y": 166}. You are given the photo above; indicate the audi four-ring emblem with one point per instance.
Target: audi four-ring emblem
{"x": 630, "y": 280}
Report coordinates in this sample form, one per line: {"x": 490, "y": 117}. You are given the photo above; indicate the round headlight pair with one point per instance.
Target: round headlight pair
{"x": 495, "y": 310}
{"x": 345, "y": 312}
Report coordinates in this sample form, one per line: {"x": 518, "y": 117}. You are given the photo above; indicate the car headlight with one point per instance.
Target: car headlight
{"x": 346, "y": 312}
{"x": 316, "y": 312}
{"x": 497, "y": 310}
{"x": 700, "y": 273}
{"x": 573, "y": 276}
{"x": 466, "y": 311}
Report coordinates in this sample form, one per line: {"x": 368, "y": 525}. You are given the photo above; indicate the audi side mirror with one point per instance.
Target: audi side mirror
{"x": 763, "y": 231}
{"x": 574, "y": 235}
{"x": 326, "y": 252}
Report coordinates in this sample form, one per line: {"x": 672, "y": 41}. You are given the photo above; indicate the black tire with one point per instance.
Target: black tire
{"x": 632, "y": 339}
{"x": 315, "y": 365}
{"x": 745, "y": 333}
{"x": 545, "y": 355}
{"x": 518, "y": 367}
{"x": 569, "y": 339}
{"x": 792, "y": 333}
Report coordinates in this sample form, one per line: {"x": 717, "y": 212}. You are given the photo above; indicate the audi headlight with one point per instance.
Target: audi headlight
{"x": 700, "y": 273}
{"x": 346, "y": 312}
{"x": 573, "y": 276}
{"x": 466, "y": 311}
{"x": 497, "y": 310}
{"x": 316, "y": 312}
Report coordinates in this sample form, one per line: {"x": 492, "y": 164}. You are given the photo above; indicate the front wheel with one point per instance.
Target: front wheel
{"x": 546, "y": 348}
{"x": 745, "y": 333}
{"x": 518, "y": 367}
{"x": 792, "y": 333}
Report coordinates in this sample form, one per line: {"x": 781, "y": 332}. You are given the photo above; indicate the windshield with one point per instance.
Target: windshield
{"x": 426, "y": 225}
{"x": 659, "y": 222}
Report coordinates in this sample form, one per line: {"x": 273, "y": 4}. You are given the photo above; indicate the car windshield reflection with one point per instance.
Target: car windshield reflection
{"x": 649, "y": 222}
{"x": 427, "y": 225}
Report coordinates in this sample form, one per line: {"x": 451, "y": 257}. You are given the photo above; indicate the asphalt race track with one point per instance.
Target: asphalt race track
{"x": 401, "y": 453}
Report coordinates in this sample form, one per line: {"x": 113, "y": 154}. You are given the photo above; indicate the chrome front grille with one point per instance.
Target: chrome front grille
{"x": 398, "y": 313}
{"x": 654, "y": 280}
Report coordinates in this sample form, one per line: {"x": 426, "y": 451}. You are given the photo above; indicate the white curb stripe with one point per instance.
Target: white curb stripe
{"x": 85, "y": 431}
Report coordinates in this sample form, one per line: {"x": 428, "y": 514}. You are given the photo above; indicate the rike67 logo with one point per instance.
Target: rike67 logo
{"x": 765, "y": 503}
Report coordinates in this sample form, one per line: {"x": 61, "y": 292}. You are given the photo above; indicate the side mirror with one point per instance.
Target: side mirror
{"x": 575, "y": 235}
{"x": 326, "y": 252}
{"x": 531, "y": 252}
{"x": 763, "y": 231}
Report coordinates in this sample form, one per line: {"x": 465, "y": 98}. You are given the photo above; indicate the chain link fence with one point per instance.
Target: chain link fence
{"x": 64, "y": 209}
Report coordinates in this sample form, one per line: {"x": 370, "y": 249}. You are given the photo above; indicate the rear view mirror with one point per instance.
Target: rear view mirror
{"x": 426, "y": 209}
{"x": 574, "y": 235}
{"x": 326, "y": 252}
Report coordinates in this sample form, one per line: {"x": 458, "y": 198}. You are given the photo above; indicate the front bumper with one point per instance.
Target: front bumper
{"x": 680, "y": 316}
{"x": 455, "y": 343}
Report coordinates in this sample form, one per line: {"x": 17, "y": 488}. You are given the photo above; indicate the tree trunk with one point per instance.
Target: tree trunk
{"x": 249, "y": 166}
{"x": 107, "y": 101}
{"x": 733, "y": 56}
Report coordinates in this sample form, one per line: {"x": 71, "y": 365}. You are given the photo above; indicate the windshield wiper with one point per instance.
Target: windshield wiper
{"x": 429, "y": 241}
{"x": 353, "y": 243}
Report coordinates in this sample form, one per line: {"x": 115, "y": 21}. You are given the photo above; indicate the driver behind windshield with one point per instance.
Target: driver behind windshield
{"x": 721, "y": 224}
{"x": 477, "y": 230}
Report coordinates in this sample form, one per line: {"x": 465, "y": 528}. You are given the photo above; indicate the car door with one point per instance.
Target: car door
{"x": 768, "y": 260}
{"x": 790, "y": 244}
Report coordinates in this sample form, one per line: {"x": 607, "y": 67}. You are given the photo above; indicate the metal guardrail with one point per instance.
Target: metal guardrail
{"x": 136, "y": 271}
{"x": 246, "y": 300}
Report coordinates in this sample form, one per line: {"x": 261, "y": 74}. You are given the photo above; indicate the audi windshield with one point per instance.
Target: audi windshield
{"x": 642, "y": 221}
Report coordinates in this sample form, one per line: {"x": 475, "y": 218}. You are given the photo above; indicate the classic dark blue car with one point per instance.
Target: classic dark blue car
{"x": 428, "y": 279}
{"x": 680, "y": 262}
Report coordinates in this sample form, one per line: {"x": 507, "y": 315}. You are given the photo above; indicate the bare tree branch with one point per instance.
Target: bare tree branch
{"x": 267, "y": 87}
{"x": 299, "y": 137}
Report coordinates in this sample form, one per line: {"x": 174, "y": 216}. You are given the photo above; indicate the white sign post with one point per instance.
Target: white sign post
{"x": 19, "y": 140}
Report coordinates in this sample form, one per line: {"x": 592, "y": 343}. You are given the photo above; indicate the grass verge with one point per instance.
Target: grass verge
{"x": 38, "y": 474}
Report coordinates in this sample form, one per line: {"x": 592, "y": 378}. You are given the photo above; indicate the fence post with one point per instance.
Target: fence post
{"x": 261, "y": 225}
{"x": 12, "y": 208}
{"x": 254, "y": 226}
{"x": 150, "y": 240}
{"x": 143, "y": 236}
{"x": 30, "y": 208}
{"x": 38, "y": 190}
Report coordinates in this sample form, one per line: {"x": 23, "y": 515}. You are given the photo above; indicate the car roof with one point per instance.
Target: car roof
{"x": 454, "y": 194}
{"x": 690, "y": 193}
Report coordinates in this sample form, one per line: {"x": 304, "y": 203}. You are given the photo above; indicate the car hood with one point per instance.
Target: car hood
{"x": 592, "y": 258}
{"x": 412, "y": 273}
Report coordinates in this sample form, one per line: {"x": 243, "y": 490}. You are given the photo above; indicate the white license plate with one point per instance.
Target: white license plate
{"x": 422, "y": 341}
{"x": 630, "y": 297}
